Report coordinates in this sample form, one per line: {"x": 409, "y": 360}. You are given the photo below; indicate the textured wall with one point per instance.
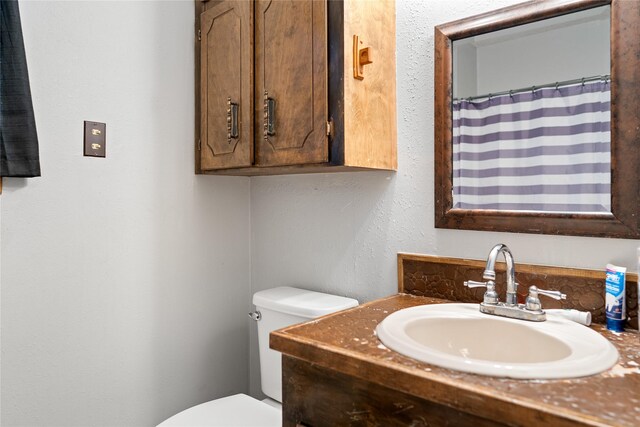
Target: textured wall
{"x": 125, "y": 280}
{"x": 340, "y": 233}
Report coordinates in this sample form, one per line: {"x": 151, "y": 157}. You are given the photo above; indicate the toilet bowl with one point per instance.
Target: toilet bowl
{"x": 275, "y": 309}
{"x": 238, "y": 410}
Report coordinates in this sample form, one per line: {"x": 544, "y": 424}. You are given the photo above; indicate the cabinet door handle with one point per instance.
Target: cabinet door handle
{"x": 269, "y": 116}
{"x": 232, "y": 120}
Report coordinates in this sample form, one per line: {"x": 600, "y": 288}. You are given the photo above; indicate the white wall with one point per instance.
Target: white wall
{"x": 340, "y": 233}
{"x": 125, "y": 280}
{"x": 562, "y": 48}
{"x": 557, "y": 54}
{"x": 465, "y": 69}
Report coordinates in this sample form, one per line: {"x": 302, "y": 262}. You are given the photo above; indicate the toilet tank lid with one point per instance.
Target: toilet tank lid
{"x": 301, "y": 302}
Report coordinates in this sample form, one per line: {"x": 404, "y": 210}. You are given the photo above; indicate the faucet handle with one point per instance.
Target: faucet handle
{"x": 551, "y": 294}
{"x": 474, "y": 284}
{"x": 490, "y": 296}
{"x": 533, "y": 302}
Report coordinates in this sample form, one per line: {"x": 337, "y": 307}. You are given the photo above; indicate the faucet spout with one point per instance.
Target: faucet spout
{"x": 490, "y": 273}
{"x": 531, "y": 310}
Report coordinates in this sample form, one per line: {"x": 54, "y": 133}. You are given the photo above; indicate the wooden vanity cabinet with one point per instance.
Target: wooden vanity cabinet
{"x": 315, "y": 396}
{"x": 277, "y": 89}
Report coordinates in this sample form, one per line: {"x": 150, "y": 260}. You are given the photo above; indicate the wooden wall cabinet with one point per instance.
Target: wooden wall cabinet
{"x": 277, "y": 90}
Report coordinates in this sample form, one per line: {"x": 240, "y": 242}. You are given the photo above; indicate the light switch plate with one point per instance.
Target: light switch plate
{"x": 95, "y": 139}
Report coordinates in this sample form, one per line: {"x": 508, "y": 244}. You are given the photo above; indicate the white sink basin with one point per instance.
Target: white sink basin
{"x": 458, "y": 336}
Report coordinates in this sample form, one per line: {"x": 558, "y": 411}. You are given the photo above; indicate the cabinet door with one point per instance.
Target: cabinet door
{"x": 226, "y": 134}
{"x": 291, "y": 76}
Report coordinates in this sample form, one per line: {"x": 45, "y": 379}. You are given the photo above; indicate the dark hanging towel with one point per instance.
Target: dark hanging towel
{"x": 18, "y": 138}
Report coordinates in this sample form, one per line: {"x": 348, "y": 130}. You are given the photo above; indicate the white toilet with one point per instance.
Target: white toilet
{"x": 275, "y": 309}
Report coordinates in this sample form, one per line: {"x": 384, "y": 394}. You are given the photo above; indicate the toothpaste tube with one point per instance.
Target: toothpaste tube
{"x": 614, "y": 297}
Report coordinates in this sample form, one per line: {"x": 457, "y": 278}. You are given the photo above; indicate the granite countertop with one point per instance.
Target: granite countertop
{"x": 346, "y": 342}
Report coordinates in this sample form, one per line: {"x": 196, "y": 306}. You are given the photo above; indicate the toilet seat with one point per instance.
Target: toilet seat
{"x": 238, "y": 410}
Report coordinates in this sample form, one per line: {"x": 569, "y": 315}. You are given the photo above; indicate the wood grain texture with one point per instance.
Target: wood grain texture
{"x": 226, "y": 60}
{"x": 624, "y": 220}
{"x": 370, "y": 104}
{"x": 291, "y": 66}
{"x": 288, "y": 170}
{"x": 345, "y": 342}
{"x": 321, "y": 397}
{"x": 442, "y": 277}
{"x": 372, "y": 143}
{"x": 625, "y": 114}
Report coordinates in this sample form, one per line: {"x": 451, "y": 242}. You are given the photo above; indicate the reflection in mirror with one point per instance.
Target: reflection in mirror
{"x": 531, "y": 116}
{"x": 546, "y": 116}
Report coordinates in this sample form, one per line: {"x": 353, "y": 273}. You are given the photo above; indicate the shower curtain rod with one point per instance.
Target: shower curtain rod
{"x": 583, "y": 80}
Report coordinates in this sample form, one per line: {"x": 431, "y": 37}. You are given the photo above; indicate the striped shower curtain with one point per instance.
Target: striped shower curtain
{"x": 545, "y": 150}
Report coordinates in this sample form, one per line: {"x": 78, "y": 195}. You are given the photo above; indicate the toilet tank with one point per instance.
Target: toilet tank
{"x": 281, "y": 307}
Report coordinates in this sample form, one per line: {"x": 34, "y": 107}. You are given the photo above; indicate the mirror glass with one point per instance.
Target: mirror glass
{"x": 531, "y": 116}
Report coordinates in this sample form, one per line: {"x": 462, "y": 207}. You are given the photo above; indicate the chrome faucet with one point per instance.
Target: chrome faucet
{"x": 532, "y": 310}
{"x": 490, "y": 272}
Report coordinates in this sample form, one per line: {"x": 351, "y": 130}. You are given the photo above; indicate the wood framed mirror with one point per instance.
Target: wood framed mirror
{"x": 619, "y": 215}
